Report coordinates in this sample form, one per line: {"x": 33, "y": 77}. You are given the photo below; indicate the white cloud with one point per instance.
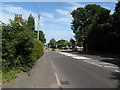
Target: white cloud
{"x": 11, "y": 10}
{"x": 64, "y": 20}
{"x": 47, "y": 15}
{"x": 75, "y": 5}
{"x": 8, "y": 11}
{"x": 7, "y": 17}
{"x": 17, "y": 10}
{"x": 63, "y": 12}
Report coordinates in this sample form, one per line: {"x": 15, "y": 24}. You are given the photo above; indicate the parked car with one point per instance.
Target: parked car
{"x": 53, "y": 49}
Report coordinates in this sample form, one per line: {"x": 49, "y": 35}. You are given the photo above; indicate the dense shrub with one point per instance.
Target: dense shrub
{"x": 20, "y": 49}
{"x": 21, "y": 52}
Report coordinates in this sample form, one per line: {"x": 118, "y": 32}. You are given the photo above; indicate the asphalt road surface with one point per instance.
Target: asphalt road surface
{"x": 61, "y": 69}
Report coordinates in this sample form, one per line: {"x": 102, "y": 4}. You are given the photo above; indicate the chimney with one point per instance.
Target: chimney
{"x": 18, "y": 16}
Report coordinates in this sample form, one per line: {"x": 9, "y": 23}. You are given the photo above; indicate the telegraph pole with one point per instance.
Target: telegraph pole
{"x": 38, "y": 26}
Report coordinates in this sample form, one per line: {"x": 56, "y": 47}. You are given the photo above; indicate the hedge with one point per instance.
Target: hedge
{"x": 19, "y": 53}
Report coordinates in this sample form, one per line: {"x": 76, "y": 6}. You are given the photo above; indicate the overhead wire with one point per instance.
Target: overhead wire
{"x": 36, "y": 6}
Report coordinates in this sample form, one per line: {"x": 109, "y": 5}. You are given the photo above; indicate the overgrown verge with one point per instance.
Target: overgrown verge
{"x": 20, "y": 49}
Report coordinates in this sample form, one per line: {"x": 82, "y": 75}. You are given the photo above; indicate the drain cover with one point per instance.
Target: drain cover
{"x": 64, "y": 82}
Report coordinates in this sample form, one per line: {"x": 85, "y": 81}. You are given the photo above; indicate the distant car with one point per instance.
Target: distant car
{"x": 53, "y": 49}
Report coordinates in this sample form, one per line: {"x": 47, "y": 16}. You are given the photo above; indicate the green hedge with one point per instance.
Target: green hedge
{"x": 20, "y": 48}
{"x": 22, "y": 51}
{"x": 19, "y": 53}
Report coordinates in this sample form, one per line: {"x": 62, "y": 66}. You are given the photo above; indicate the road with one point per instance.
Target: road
{"x": 65, "y": 70}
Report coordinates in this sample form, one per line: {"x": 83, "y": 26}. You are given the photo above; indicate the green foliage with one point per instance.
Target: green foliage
{"x": 38, "y": 50}
{"x": 20, "y": 49}
{"x": 83, "y": 18}
{"x": 52, "y": 43}
{"x": 31, "y": 23}
{"x": 62, "y": 43}
{"x": 41, "y": 36}
{"x": 8, "y": 76}
{"x": 96, "y": 28}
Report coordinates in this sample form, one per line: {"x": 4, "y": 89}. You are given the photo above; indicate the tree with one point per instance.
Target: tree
{"x": 52, "y": 43}
{"x": 31, "y": 23}
{"x": 62, "y": 43}
{"x": 88, "y": 23}
{"x": 41, "y": 36}
{"x": 114, "y": 35}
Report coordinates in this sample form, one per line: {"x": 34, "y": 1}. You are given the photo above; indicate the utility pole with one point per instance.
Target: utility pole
{"x": 38, "y": 26}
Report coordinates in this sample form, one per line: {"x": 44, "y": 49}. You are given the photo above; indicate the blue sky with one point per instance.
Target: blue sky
{"x": 55, "y": 16}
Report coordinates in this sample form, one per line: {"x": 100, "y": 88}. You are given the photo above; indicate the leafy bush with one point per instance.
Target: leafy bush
{"x": 20, "y": 49}
{"x": 23, "y": 52}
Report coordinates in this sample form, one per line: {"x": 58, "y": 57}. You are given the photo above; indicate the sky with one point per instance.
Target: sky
{"x": 55, "y": 18}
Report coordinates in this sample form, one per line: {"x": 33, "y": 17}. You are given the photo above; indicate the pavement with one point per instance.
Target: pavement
{"x": 67, "y": 70}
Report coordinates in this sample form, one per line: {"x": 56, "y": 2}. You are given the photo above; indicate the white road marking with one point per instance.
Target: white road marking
{"x": 93, "y": 62}
{"x": 117, "y": 71}
{"x": 74, "y": 56}
{"x": 106, "y": 63}
{"x": 99, "y": 65}
{"x": 80, "y": 57}
{"x": 67, "y": 54}
{"x": 110, "y": 66}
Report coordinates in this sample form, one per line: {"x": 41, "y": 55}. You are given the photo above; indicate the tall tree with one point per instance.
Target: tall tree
{"x": 31, "y": 23}
{"x": 114, "y": 35}
{"x": 52, "y": 43}
{"x": 87, "y": 21}
{"x": 41, "y": 36}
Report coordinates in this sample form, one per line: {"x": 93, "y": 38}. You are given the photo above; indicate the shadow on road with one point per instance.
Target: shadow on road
{"x": 110, "y": 58}
{"x": 116, "y": 76}
{"x": 115, "y": 61}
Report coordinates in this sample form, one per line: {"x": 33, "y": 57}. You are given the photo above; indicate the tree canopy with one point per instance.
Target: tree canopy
{"x": 96, "y": 28}
{"x": 62, "y": 43}
{"x": 52, "y": 43}
{"x": 41, "y": 36}
{"x": 31, "y": 23}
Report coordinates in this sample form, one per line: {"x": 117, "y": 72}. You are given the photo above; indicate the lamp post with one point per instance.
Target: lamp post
{"x": 38, "y": 26}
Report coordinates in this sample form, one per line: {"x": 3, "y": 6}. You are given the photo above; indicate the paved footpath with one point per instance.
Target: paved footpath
{"x": 41, "y": 76}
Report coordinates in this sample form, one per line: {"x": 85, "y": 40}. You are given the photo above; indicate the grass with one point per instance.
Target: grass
{"x": 8, "y": 76}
